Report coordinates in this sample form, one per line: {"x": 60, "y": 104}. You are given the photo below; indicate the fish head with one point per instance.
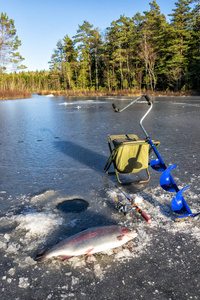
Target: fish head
{"x": 128, "y": 233}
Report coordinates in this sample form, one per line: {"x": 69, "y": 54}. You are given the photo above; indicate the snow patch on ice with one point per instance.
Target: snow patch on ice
{"x": 77, "y": 262}
{"x": 45, "y": 199}
{"x": 98, "y": 271}
{"x": 83, "y": 102}
{"x": 75, "y": 280}
{"x": 123, "y": 254}
{"x": 28, "y": 229}
{"x": 37, "y": 224}
{"x": 24, "y": 282}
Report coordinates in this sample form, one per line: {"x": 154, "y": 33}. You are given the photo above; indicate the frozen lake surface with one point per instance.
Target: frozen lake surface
{"x": 54, "y": 149}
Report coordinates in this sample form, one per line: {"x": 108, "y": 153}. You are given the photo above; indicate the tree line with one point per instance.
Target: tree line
{"x": 145, "y": 52}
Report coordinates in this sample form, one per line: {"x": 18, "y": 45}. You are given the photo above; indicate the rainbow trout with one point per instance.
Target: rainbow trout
{"x": 89, "y": 241}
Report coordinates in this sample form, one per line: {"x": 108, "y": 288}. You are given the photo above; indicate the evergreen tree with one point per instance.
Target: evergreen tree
{"x": 113, "y": 56}
{"x": 194, "y": 54}
{"x": 9, "y": 44}
{"x": 181, "y": 30}
{"x": 56, "y": 67}
{"x": 84, "y": 39}
{"x": 96, "y": 50}
{"x": 153, "y": 30}
{"x": 63, "y": 62}
{"x": 122, "y": 55}
{"x": 137, "y": 65}
{"x": 70, "y": 61}
{"x": 106, "y": 72}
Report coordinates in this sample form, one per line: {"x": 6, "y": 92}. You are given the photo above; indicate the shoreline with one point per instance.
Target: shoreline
{"x": 15, "y": 94}
{"x": 127, "y": 93}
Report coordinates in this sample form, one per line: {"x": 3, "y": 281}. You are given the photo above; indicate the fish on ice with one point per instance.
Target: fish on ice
{"x": 89, "y": 241}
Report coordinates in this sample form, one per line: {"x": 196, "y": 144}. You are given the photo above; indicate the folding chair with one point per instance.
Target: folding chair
{"x": 128, "y": 155}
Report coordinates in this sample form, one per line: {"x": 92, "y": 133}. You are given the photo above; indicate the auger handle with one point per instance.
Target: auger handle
{"x": 148, "y": 99}
{"x": 116, "y": 109}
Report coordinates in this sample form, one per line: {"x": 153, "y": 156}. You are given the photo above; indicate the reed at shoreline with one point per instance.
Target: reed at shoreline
{"x": 127, "y": 93}
{"x": 14, "y": 94}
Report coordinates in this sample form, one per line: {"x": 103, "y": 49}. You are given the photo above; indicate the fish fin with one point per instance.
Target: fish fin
{"x": 88, "y": 252}
{"x": 120, "y": 237}
{"x": 64, "y": 257}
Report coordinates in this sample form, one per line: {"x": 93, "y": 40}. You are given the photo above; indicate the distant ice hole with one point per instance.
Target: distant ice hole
{"x": 73, "y": 205}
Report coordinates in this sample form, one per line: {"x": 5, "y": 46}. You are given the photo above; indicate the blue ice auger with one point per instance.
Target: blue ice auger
{"x": 178, "y": 204}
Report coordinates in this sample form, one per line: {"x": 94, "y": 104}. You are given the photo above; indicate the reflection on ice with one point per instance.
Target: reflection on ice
{"x": 83, "y": 102}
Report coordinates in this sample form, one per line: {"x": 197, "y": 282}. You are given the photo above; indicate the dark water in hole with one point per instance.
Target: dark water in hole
{"x": 73, "y": 206}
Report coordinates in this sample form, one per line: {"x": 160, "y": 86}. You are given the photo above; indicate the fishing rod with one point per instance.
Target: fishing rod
{"x": 126, "y": 208}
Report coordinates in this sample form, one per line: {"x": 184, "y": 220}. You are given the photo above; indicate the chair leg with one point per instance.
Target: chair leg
{"x": 107, "y": 166}
{"x": 132, "y": 182}
{"x": 117, "y": 175}
{"x": 148, "y": 174}
{"x": 110, "y": 161}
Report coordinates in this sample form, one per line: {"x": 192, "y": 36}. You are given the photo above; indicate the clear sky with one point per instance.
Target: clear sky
{"x": 41, "y": 23}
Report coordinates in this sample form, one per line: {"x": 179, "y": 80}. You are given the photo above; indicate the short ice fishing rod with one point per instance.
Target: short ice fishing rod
{"x": 125, "y": 208}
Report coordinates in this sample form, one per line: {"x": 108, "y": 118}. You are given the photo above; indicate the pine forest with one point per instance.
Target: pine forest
{"x": 145, "y": 52}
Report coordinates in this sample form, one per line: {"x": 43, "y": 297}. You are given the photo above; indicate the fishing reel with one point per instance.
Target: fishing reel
{"x": 123, "y": 208}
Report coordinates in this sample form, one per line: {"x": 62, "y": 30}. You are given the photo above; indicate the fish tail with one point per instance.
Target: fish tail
{"x": 41, "y": 256}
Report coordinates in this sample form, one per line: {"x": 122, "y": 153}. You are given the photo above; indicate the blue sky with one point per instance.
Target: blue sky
{"x": 41, "y": 23}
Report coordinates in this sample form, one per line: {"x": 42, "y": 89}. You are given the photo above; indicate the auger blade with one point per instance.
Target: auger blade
{"x": 157, "y": 165}
{"x": 186, "y": 217}
{"x": 178, "y": 204}
{"x": 167, "y": 182}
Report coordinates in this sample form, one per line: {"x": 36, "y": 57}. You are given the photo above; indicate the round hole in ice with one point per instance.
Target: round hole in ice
{"x": 73, "y": 205}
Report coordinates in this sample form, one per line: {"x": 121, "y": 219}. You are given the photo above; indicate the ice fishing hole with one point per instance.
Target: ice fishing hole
{"x": 73, "y": 205}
